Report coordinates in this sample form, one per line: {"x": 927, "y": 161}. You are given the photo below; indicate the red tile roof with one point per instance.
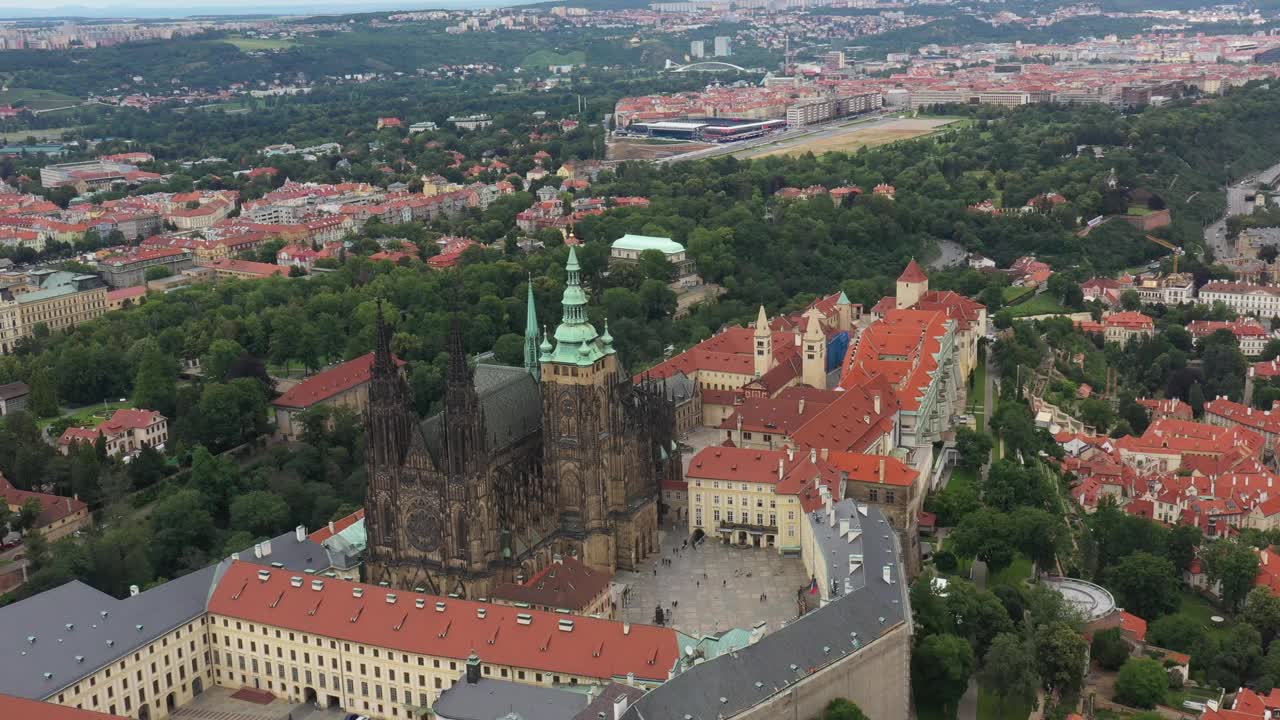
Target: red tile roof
{"x": 878, "y": 469}
{"x": 128, "y": 293}
{"x": 567, "y": 584}
{"x": 18, "y": 708}
{"x": 53, "y": 507}
{"x": 247, "y": 267}
{"x": 453, "y": 628}
{"x": 336, "y": 526}
{"x": 322, "y": 386}
{"x": 913, "y": 273}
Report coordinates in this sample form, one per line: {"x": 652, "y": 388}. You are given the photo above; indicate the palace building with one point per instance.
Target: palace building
{"x": 563, "y": 457}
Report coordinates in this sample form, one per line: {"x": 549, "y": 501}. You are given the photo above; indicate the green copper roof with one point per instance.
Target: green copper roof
{"x": 577, "y": 342}
{"x": 843, "y": 299}
{"x": 667, "y": 246}
{"x": 531, "y": 335}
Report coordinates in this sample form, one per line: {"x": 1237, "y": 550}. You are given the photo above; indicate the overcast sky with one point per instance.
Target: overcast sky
{"x": 179, "y": 8}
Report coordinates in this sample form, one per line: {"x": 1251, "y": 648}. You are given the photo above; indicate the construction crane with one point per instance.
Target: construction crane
{"x": 1174, "y": 249}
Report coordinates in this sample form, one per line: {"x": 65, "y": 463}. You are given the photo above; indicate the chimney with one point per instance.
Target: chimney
{"x": 779, "y": 469}
{"x": 844, "y": 526}
{"x": 473, "y": 669}
{"x": 631, "y": 679}
{"x": 626, "y": 628}
{"x": 887, "y": 574}
{"x": 801, "y": 406}
{"x": 881, "y": 468}
{"x": 876, "y": 399}
{"x": 619, "y": 707}
{"x": 133, "y": 590}
{"x": 257, "y": 550}
{"x": 266, "y": 547}
{"x": 300, "y": 532}
{"x": 813, "y": 455}
{"x": 791, "y": 453}
{"x": 332, "y": 530}
{"x": 824, "y": 453}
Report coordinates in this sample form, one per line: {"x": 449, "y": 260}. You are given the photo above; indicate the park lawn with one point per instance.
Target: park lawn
{"x": 989, "y": 707}
{"x": 248, "y": 44}
{"x": 1195, "y": 694}
{"x": 977, "y": 396}
{"x": 1018, "y": 571}
{"x": 1042, "y": 304}
{"x": 1139, "y": 210}
{"x": 545, "y": 58}
{"x": 1015, "y": 292}
{"x": 36, "y": 99}
{"x": 1198, "y": 609}
{"x": 89, "y": 414}
{"x": 18, "y": 136}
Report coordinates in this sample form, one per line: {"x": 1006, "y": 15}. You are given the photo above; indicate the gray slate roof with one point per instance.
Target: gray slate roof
{"x": 512, "y": 404}
{"x": 73, "y": 630}
{"x": 497, "y": 699}
{"x": 809, "y": 642}
{"x": 159, "y": 610}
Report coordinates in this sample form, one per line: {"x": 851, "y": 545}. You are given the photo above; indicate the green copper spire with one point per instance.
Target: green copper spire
{"x": 531, "y": 336}
{"x": 576, "y": 340}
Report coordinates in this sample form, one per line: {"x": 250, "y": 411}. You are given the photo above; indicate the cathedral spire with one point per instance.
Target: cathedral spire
{"x": 459, "y": 371}
{"x": 382, "y": 362}
{"x": 531, "y": 335}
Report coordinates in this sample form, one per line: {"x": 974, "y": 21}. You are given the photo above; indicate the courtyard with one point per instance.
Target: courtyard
{"x": 219, "y": 703}
{"x": 714, "y": 587}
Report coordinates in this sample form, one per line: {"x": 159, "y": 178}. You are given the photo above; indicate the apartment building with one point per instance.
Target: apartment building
{"x": 59, "y": 516}
{"x": 345, "y": 385}
{"x": 1244, "y": 298}
{"x": 128, "y": 269}
{"x": 566, "y": 585}
{"x": 1250, "y": 335}
{"x": 58, "y": 300}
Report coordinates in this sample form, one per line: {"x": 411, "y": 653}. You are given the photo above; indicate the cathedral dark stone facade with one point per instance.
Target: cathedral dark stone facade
{"x": 563, "y": 456}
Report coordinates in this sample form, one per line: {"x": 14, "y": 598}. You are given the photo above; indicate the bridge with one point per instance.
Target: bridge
{"x": 704, "y": 66}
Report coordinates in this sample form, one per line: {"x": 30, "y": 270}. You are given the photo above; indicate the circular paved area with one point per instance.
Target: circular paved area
{"x": 1093, "y": 601}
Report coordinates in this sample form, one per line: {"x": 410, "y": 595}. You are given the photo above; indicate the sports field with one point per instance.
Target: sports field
{"x": 849, "y": 138}
{"x": 247, "y": 44}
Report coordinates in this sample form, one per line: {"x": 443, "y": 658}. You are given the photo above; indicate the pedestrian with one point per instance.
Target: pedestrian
{"x": 724, "y": 583}
{"x": 655, "y": 572}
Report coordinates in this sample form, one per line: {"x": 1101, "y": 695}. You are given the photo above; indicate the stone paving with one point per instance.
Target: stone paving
{"x": 216, "y": 703}
{"x": 714, "y": 587}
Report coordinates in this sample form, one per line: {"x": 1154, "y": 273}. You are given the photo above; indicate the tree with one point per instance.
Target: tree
{"x": 842, "y": 709}
{"x": 1183, "y": 541}
{"x": 28, "y": 515}
{"x": 1235, "y": 565}
{"x": 259, "y": 513}
{"x": 1145, "y": 584}
{"x": 1060, "y": 656}
{"x": 945, "y": 561}
{"x": 1262, "y": 611}
{"x": 183, "y": 530}
{"x": 216, "y": 363}
{"x": 1129, "y": 300}
{"x": 154, "y": 387}
{"x": 973, "y": 448}
{"x": 1109, "y": 648}
{"x": 1195, "y": 398}
{"x": 940, "y": 670}
{"x": 1223, "y": 364}
{"x": 1142, "y": 683}
{"x": 977, "y": 615}
{"x": 43, "y": 398}
{"x": 156, "y": 272}
{"x": 1008, "y": 670}
{"x": 1176, "y": 632}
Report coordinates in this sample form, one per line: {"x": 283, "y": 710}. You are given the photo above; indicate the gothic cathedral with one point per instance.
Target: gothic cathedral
{"x": 562, "y": 456}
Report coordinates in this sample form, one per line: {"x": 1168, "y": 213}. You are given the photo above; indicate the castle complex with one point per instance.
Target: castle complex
{"x": 563, "y": 457}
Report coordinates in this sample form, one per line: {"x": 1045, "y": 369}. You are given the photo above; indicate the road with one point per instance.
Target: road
{"x": 1215, "y": 234}
{"x": 950, "y": 253}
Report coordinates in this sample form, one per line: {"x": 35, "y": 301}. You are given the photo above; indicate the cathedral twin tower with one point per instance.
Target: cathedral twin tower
{"x": 563, "y": 456}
